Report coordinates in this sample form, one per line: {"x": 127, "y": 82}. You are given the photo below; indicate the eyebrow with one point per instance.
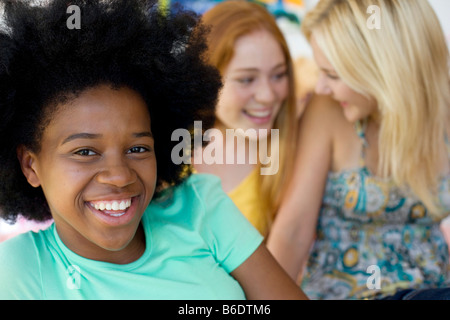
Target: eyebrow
{"x": 85, "y": 135}
{"x": 328, "y": 70}
{"x": 82, "y": 135}
{"x": 143, "y": 134}
{"x": 278, "y": 66}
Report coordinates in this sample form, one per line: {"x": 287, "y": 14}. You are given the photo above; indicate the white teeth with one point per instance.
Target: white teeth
{"x": 123, "y": 205}
{"x": 112, "y": 205}
{"x": 258, "y": 114}
{"x": 117, "y": 214}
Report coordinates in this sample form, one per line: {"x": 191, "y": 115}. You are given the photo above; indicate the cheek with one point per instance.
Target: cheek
{"x": 232, "y": 101}
{"x": 282, "y": 91}
{"x": 342, "y": 92}
{"x": 57, "y": 177}
{"x": 148, "y": 174}
{"x": 365, "y": 105}
{"x": 352, "y": 96}
{"x": 66, "y": 188}
{"x": 152, "y": 175}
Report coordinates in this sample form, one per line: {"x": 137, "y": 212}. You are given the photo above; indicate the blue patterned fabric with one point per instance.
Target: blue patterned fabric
{"x": 368, "y": 228}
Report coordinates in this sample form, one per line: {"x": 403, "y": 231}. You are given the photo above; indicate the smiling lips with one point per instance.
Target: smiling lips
{"x": 259, "y": 116}
{"x": 114, "y": 208}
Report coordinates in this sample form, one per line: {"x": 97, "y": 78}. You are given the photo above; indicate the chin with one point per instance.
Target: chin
{"x": 114, "y": 245}
{"x": 116, "y": 241}
{"x": 352, "y": 117}
{"x": 263, "y": 135}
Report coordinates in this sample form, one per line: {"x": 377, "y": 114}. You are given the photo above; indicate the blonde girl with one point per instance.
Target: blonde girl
{"x": 373, "y": 172}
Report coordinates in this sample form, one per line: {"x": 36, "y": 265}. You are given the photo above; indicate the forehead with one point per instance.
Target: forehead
{"x": 319, "y": 56}
{"x": 102, "y": 98}
{"x": 100, "y": 108}
{"x": 258, "y": 49}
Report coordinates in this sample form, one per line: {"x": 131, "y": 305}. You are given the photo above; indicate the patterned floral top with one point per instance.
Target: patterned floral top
{"x": 374, "y": 239}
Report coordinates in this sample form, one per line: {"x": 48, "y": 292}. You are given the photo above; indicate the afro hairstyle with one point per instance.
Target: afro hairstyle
{"x": 157, "y": 52}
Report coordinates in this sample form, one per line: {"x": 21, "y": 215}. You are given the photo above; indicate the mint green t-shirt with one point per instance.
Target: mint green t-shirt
{"x": 194, "y": 239}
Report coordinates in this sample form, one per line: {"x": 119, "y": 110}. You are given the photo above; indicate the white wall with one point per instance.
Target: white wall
{"x": 442, "y": 8}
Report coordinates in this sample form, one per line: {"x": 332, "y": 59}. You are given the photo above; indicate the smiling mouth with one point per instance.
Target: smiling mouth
{"x": 113, "y": 208}
{"x": 258, "y": 113}
{"x": 259, "y": 117}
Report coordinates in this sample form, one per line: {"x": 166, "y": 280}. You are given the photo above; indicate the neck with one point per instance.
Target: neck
{"x": 85, "y": 248}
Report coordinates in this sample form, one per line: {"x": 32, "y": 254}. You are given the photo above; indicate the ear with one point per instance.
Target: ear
{"x": 27, "y": 161}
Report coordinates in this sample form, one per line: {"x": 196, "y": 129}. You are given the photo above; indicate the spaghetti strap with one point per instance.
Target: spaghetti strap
{"x": 360, "y": 128}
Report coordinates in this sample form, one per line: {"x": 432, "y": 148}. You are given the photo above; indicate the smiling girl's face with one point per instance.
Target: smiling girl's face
{"x": 256, "y": 83}
{"x": 355, "y": 105}
{"x": 97, "y": 169}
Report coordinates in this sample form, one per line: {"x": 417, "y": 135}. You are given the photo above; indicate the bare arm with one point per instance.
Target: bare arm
{"x": 262, "y": 278}
{"x": 293, "y": 231}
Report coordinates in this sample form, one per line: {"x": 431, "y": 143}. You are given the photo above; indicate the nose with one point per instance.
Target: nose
{"x": 322, "y": 86}
{"x": 265, "y": 92}
{"x": 116, "y": 172}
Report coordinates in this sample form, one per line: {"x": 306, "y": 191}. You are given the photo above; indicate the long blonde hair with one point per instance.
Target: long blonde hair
{"x": 404, "y": 65}
{"x": 228, "y": 21}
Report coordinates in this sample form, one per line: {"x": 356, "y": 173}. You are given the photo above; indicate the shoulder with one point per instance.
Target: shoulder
{"x": 319, "y": 125}
{"x": 230, "y": 235}
{"x": 20, "y": 267}
{"x": 191, "y": 200}
{"x": 200, "y": 187}
{"x": 325, "y": 111}
{"x": 207, "y": 191}
{"x": 323, "y": 125}
{"x": 201, "y": 182}
{"x": 17, "y": 250}
{"x": 217, "y": 219}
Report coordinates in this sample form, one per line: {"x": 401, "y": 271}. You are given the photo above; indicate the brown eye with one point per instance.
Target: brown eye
{"x": 138, "y": 150}
{"x": 280, "y": 75}
{"x": 248, "y": 80}
{"x": 85, "y": 152}
{"x": 332, "y": 77}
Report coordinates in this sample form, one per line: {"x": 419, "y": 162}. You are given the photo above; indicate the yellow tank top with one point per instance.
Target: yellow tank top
{"x": 247, "y": 197}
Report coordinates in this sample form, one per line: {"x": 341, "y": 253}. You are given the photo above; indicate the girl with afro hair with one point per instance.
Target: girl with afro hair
{"x": 87, "y": 115}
